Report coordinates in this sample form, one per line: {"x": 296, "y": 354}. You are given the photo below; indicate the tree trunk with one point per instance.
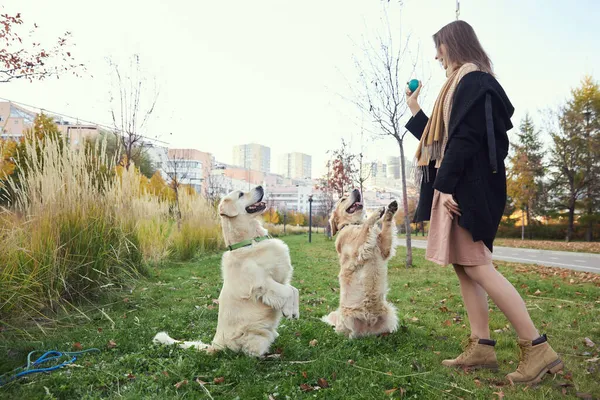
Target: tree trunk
{"x": 522, "y": 224}
{"x": 405, "y": 206}
{"x": 528, "y": 220}
{"x": 571, "y": 221}
{"x": 589, "y": 233}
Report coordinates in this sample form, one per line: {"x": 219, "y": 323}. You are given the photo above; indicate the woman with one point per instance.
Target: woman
{"x": 461, "y": 155}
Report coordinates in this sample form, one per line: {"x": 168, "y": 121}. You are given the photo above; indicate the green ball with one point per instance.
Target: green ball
{"x": 413, "y": 85}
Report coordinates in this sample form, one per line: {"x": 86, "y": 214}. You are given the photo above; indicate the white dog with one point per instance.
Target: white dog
{"x": 256, "y": 273}
{"x": 364, "y": 250}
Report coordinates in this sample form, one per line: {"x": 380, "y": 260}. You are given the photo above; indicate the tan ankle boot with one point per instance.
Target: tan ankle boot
{"x": 536, "y": 360}
{"x": 478, "y": 353}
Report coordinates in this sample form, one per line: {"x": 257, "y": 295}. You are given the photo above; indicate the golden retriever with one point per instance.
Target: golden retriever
{"x": 364, "y": 249}
{"x": 256, "y": 281}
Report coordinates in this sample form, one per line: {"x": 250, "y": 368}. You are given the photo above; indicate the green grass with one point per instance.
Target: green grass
{"x": 179, "y": 298}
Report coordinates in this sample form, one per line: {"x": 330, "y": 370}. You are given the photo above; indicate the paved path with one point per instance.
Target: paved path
{"x": 576, "y": 261}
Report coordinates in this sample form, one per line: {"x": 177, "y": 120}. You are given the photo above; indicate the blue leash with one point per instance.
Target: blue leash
{"x": 33, "y": 367}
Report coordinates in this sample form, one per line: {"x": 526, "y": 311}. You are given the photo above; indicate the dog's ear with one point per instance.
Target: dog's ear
{"x": 333, "y": 224}
{"x": 227, "y": 208}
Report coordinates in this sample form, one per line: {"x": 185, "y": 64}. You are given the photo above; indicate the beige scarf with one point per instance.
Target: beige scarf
{"x": 435, "y": 136}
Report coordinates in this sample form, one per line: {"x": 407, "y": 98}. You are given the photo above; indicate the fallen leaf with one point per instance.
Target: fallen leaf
{"x": 414, "y": 319}
{"x": 77, "y": 346}
{"x": 99, "y": 330}
{"x": 126, "y": 300}
{"x": 297, "y": 334}
{"x": 313, "y": 343}
{"x": 351, "y": 362}
{"x": 306, "y": 388}
{"x": 165, "y": 373}
{"x": 595, "y": 359}
{"x": 304, "y": 375}
{"x": 389, "y": 392}
{"x": 447, "y": 323}
{"x": 588, "y": 342}
{"x": 271, "y": 397}
{"x": 568, "y": 376}
{"x": 323, "y": 383}
{"x": 180, "y": 384}
{"x": 215, "y": 301}
{"x": 444, "y": 309}
{"x": 500, "y": 394}
{"x": 538, "y": 292}
{"x": 111, "y": 344}
{"x": 218, "y": 380}
{"x": 437, "y": 352}
{"x": 477, "y": 382}
{"x": 130, "y": 376}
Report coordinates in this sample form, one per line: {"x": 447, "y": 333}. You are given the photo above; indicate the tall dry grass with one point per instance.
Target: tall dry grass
{"x": 78, "y": 226}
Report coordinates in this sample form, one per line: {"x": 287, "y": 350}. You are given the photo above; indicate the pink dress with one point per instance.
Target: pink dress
{"x": 449, "y": 243}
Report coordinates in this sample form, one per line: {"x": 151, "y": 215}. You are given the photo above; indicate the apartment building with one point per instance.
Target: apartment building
{"x": 252, "y": 156}
{"x": 295, "y": 166}
{"x": 14, "y": 120}
{"x": 190, "y": 166}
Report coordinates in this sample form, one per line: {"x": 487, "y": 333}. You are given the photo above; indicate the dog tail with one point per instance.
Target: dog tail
{"x": 165, "y": 339}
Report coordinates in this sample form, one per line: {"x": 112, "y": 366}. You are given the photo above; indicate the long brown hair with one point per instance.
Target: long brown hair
{"x": 462, "y": 45}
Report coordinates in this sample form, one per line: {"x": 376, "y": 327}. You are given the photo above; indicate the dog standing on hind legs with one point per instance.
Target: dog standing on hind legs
{"x": 363, "y": 249}
{"x": 256, "y": 290}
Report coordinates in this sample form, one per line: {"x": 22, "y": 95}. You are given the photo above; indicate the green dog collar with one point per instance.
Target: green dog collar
{"x": 248, "y": 242}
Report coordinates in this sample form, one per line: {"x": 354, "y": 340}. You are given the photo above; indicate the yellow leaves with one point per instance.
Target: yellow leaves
{"x": 272, "y": 216}
{"x": 8, "y": 150}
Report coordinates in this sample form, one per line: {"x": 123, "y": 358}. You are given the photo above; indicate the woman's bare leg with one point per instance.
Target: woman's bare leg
{"x": 506, "y": 297}
{"x": 476, "y": 303}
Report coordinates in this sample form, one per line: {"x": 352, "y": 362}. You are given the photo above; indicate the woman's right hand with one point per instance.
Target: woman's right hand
{"x": 412, "y": 99}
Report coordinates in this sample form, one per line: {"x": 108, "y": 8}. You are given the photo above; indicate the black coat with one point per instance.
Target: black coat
{"x": 473, "y": 166}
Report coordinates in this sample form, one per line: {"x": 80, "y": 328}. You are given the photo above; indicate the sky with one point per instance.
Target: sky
{"x": 279, "y": 73}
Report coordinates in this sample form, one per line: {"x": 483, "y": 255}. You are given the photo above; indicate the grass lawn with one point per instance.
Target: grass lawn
{"x": 179, "y": 298}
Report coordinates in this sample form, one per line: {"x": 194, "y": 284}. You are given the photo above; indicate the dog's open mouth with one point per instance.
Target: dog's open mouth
{"x": 357, "y": 205}
{"x": 256, "y": 207}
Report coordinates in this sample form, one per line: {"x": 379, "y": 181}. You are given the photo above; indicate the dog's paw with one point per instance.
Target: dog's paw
{"x": 291, "y": 308}
{"x": 393, "y": 207}
{"x": 162, "y": 338}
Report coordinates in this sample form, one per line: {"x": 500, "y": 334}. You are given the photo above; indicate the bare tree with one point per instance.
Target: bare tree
{"x": 363, "y": 174}
{"x": 379, "y": 94}
{"x": 131, "y": 109}
{"x": 216, "y": 186}
{"x": 177, "y": 171}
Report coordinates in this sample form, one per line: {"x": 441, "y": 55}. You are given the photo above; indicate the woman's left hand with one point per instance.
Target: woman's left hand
{"x": 451, "y": 206}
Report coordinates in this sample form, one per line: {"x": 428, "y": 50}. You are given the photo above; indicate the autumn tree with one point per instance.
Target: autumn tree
{"x": 581, "y": 116}
{"x": 341, "y": 171}
{"x": 17, "y": 158}
{"x": 115, "y": 151}
{"x": 382, "y": 68}
{"x": 8, "y": 149}
{"x": 526, "y": 171}
{"x": 132, "y": 108}
{"x": 25, "y": 57}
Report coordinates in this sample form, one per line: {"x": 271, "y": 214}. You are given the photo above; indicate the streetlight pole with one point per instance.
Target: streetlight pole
{"x": 310, "y": 200}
